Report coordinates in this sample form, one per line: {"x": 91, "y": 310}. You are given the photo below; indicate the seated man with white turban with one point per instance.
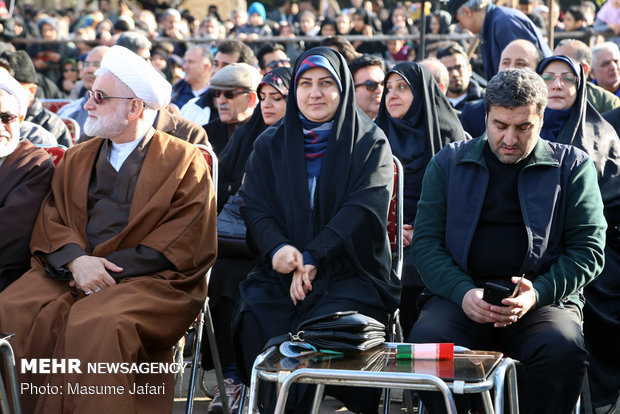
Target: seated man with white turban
{"x": 25, "y": 173}
{"x": 120, "y": 252}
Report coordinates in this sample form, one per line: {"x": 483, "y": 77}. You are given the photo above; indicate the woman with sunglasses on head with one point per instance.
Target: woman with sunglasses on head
{"x": 571, "y": 119}
{"x": 234, "y": 261}
{"x": 418, "y": 121}
{"x": 316, "y": 192}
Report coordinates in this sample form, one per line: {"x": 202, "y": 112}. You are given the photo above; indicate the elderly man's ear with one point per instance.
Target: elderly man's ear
{"x": 135, "y": 109}
{"x": 253, "y": 99}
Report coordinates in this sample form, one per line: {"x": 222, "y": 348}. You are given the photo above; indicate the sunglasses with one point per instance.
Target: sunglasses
{"x": 69, "y": 70}
{"x": 371, "y": 86}
{"x": 99, "y": 97}
{"x": 7, "y": 119}
{"x": 227, "y": 94}
{"x": 549, "y": 78}
{"x": 275, "y": 63}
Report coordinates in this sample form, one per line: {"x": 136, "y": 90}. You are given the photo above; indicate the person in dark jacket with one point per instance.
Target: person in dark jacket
{"x": 497, "y": 27}
{"x": 503, "y": 205}
{"x": 571, "y": 119}
{"x": 320, "y": 227}
{"x": 418, "y": 121}
{"x": 461, "y": 87}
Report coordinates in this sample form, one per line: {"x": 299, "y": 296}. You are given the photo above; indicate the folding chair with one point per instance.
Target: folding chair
{"x": 206, "y": 314}
{"x": 9, "y": 363}
{"x": 56, "y": 152}
{"x": 73, "y": 127}
{"x": 54, "y": 104}
{"x": 395, "y": 236}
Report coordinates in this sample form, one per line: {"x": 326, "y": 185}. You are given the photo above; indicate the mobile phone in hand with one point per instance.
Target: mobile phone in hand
{"x": 494, "y": 293}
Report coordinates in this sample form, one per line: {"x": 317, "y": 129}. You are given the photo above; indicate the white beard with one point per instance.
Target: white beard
{"x": 8, "y": 148}
{"x": 107, "y": 126}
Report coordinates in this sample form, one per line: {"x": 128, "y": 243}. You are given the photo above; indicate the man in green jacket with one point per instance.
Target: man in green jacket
{"x": 504, "y": 205}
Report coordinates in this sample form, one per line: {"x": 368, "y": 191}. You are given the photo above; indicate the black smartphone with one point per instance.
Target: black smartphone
{"x": 494, "y": 293}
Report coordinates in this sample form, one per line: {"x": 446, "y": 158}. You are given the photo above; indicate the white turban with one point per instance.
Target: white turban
{"x": 141, "y": 77}
{"x": 13, "y": 87}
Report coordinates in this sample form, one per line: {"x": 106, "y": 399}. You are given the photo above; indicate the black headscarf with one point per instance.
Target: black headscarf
{"x": 351, "y": 201}
{"x": 428, "y": 126}
{"x": 236, "y": 152}
{"x": 587, "y": 130}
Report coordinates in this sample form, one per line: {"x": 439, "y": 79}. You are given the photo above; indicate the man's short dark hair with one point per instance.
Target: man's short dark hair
{"x": 577, "y": 13}
{"x": 266, "y": 49}
{"x": 230, "y": 46}
{"x": 512, "y": 88}
{"x": 365, "y": 61}
{"x": 345, "y": 47}
{"x": 451, "y": 50}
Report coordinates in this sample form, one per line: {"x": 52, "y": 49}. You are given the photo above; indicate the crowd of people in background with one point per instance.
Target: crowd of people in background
{"x": 230, "y": 83}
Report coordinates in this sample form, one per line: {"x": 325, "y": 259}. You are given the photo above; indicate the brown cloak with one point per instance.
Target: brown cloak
{"x": 139, "y": 319}
{"x": 25, "y": 176}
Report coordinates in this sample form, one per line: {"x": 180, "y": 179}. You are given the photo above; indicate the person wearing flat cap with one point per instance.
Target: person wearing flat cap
{"x": 234, "y": 93}
{"x": 120, "y": 249}
{"x": 25, "y": 174}
{"x": 497, "y": 26}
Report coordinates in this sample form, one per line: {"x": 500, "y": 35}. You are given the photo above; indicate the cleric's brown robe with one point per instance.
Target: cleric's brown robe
{"x": 182, "y": 128}
{"x": 25, "y": 177}
{"x": 140, "y": 318}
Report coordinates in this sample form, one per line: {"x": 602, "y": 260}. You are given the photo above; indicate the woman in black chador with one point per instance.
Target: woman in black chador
{"x": 317, "y": 191}
{"x": 418, "y": 121}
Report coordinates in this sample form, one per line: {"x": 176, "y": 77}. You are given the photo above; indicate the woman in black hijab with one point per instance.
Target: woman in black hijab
{"x": 571, "y": 119}
{"x": 272, "y": 91}
{"x": 317, "y": 192}
{"x": 235, "y": 260}
{"x": 418, "y": 121}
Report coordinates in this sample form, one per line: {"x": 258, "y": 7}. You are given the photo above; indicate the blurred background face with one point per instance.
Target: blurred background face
{"x": 343, "y": 24}
{"x": 306, "y": 23}
{"x": 358, "y": 22}
{"x": 48, "y": 32}
{"x": 435, "y": 25}
{"x": 70, "y": 72}
{"x": 399, "y": 96}
{"x": 273, "y": 104}
{"x": 561, "y": 84}
{"x": 91, "y": 64}
{"x": 328, "y": 30}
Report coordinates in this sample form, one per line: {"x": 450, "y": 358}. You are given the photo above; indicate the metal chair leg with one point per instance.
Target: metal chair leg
{"x": 9, "y": 361}
{"x": 206, "y": 314}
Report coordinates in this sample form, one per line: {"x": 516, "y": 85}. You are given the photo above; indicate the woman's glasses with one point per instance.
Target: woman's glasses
{"x": 99, "y": 97}
{"x": 371, "y": 86}
{"x": 227, "y": 94}
{"x": 70, "y": 70}
{"x": 566, "y": 78}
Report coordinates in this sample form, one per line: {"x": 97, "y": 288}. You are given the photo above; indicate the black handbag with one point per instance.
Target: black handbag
{"x": 338, "y": 331}
{"x": 231, "y": 228}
